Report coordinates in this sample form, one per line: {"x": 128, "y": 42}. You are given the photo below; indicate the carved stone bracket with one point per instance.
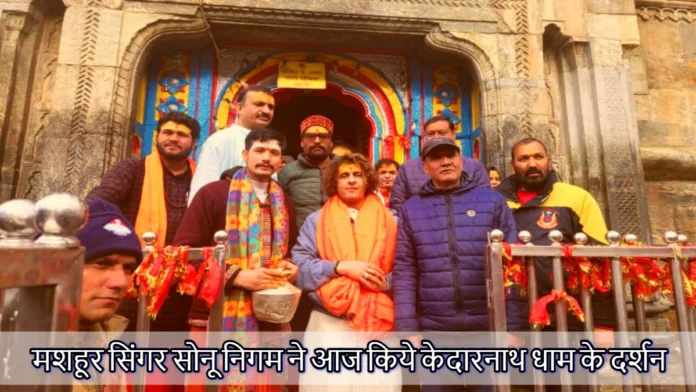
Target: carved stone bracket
{"x": 667, "y": 14}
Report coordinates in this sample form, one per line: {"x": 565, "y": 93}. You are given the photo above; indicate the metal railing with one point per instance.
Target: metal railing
{"x": 673, "y": 253}
{"x": 215, "y": 320}
{"x": 40, "y": 277}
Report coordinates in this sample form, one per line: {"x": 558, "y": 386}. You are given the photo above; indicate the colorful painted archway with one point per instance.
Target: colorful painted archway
{"x": 399, "y": 92}
{"x": 387, "y": 112}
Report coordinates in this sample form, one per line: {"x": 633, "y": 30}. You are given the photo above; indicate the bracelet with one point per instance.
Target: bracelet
{"x": 335, "y": 268}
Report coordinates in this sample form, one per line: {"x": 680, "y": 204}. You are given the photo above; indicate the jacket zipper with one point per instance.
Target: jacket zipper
{"x": 453, "y": 259}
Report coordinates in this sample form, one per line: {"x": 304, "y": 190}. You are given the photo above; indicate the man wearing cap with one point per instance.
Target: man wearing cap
{"x": 439, "y": 264}
{"x": 223, "y": 149}
{"x": 112, "y": 253}
{"x": 411, "y": 176}
{"x": 301, "y": 179}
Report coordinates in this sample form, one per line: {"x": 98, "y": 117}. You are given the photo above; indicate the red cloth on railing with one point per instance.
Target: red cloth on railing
{"x": 169, "y": 265}
{"x": 514, "y": 271}
{"x": 595, "y": 274}
{"x": 539, "y": 314}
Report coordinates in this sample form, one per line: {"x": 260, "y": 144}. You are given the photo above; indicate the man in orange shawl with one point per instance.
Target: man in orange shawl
{"x": 152, "y": 194}
{"x": 345, "y": 253}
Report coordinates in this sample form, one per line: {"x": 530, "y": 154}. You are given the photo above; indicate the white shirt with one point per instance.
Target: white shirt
{"x": 260, "y": 189}
{"x": 221, "y": 151}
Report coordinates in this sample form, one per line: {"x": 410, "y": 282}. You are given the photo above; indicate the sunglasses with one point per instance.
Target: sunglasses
{"x": 310, "y": 137}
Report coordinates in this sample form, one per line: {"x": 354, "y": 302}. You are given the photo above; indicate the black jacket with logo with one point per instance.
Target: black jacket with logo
{"x": 570, "y": 209}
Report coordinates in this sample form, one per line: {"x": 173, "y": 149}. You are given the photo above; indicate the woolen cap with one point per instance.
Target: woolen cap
{"x": 107, "y": 232}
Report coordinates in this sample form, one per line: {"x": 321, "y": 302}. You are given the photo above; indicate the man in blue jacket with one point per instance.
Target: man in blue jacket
{"x": 411, "y": 176}
{"x": 439, "y": 277}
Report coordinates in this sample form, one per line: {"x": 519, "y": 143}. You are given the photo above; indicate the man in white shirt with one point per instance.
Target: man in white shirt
{"x": 223, "y": 149}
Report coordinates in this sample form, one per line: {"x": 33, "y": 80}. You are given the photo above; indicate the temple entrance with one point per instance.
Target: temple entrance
{"x": 346, "y": 112}
{"x": 378, "y": 101}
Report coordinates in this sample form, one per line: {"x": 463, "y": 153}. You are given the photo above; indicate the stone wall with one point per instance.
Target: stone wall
{"x": 584, "y": 110}
{"x": 665, "y": 95}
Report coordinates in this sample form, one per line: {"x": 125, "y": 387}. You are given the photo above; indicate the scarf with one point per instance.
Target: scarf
{"x": 373, "y": 240}
{"x": 152, "y": 213}
{"x": 245, "y": 244}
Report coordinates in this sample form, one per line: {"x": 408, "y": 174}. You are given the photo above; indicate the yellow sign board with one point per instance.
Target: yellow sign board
{"x": 301, "y": 75}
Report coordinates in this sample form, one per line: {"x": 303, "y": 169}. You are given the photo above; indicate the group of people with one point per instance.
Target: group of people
{"x": 374, "y": 248}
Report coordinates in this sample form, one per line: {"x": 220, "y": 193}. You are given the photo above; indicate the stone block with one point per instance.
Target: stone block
{"x": 672, "y": 106}
{"x": 82, "y": 98}
{"x": 645, "y": 109}
{"x": 660, "y": 40}
{"x": 604, "y": 26}
{"x": 161, "y": 8}
{"x": 611, "y": 7}
{"x": 535, "y": 57}
{"x": 90, "y": 36}
{"x": 606, "y": 53}
{"x": 132, "y": 23}
{"x": 639, "y": 75}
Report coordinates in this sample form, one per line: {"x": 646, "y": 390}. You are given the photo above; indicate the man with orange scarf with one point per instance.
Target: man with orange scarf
{"x": 151, "y": 193}
{"x": 345, "y": 253}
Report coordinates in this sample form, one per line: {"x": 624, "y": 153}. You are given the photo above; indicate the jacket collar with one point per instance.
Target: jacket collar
{"x": 465, "y": 185}
{"x": 509, "y": 187}
{"x": 306, "y": 162}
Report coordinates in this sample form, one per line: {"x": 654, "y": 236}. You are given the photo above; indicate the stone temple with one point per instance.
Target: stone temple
{"x": 609, "y": 85}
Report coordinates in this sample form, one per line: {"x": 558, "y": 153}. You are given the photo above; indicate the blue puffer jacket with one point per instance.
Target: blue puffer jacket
{"x": 439, "y": 276}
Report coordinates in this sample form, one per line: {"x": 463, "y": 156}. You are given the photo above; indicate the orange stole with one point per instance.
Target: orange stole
{"x": 373, "y": 241}
{"x": 152, "y": 213}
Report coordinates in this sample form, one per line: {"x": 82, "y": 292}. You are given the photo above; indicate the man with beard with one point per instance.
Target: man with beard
{"x": 152, "y": 192}
{"x": 412, "y": 177}
{"x": 301, "y": 179}
{"x": 541, "y": 203}
{"x": 386, "y": 173}
{"x": 223, "y": 149}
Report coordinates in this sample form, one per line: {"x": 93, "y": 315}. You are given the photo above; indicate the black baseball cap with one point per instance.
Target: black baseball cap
{"x": 437, "y": 142}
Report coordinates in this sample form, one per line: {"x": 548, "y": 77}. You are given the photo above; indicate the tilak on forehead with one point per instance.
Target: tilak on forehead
{"x": 178, "y": 128}
{"x": 349, "y": 168}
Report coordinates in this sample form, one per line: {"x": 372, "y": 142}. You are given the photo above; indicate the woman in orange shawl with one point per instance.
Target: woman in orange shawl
{"x": 345, "y": 254}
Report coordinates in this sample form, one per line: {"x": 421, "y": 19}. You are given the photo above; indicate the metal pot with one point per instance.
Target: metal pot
{"x": 276, "y": 305}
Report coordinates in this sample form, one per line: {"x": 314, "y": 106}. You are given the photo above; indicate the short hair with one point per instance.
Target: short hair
{"x": 386, "y": 162}
{"x": 341, "y": 143}
{"x": 524, "y": 142}
{"x": 493, "y": 168}
{"x": 255, "y": 88}
{"x": 181, "y": 119}
{"x": 264, "y": 135}
{"x": 438, "y": 118}
{"x": 330, "y": 177}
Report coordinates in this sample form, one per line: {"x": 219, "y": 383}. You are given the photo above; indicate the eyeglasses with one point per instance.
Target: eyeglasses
{"x": 310, "y": 137}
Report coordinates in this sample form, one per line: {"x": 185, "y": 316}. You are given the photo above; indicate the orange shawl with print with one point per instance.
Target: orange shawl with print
{"x": 152, "y": 213}
{"x": 373, "y": 240}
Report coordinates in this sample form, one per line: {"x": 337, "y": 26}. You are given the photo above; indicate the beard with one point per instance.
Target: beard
{"x": 173, "y": 156}
{"x": 533, "y": 184}
{"x": 317, "y": 156}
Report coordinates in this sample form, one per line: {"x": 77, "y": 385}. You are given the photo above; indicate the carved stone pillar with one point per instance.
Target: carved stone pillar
{"x": 83, "y": 96}
{"x": 618, "y": 149}
{"x": 11, "y": 24}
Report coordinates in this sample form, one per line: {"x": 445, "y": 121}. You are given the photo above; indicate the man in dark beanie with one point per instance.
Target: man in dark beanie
{"x": 112, "y": 253}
